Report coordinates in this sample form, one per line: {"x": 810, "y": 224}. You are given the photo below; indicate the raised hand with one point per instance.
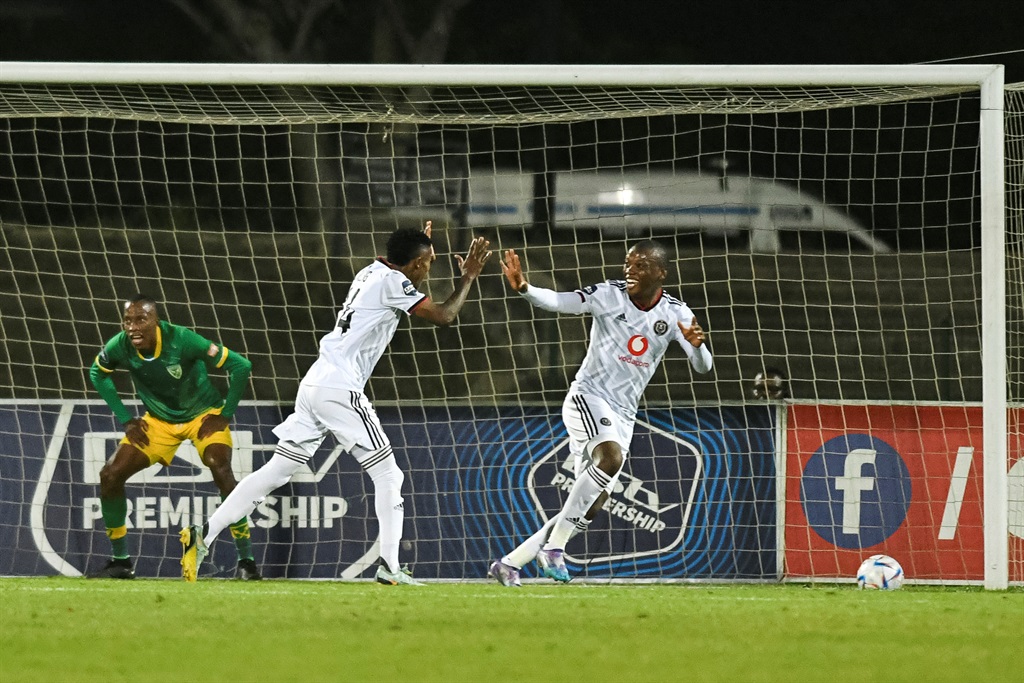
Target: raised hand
{"x": 693, "y": 334}
{"x": 474, "y": 261}
{"x": 426, "y": 228}
{"x": 513, "y": 270}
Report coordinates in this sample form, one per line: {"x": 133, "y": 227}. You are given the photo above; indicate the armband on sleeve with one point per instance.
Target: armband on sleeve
{"x": 557, "y": 302}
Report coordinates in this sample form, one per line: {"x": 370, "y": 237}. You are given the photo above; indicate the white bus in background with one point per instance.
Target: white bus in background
{"x": 634, "y": 202}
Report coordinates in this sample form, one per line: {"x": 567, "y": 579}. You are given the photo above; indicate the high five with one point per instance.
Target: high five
{"x": 331, "y": 399}
{"x": 634, "y": 322}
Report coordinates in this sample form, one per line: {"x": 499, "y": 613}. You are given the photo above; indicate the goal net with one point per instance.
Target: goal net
{"x": 1015, "y": 323}
{"x": 839, "y": 227}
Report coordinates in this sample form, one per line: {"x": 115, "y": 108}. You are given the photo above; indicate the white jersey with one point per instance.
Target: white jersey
{"x": 366, "y": 323}
{"x": 628, "y": 343}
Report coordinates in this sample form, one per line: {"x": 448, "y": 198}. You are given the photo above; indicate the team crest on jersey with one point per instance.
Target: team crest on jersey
{"x": 408, "y": 287}
{"x": 590, "y": 289}
{"x": 103, "y": 356}
{"x": 174, "y": 371}
{"x": 660, "y": 327}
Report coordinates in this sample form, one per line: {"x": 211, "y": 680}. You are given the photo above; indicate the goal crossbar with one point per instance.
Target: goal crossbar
{"x": 909, "y": 80}
{"x": 496, "y": 75}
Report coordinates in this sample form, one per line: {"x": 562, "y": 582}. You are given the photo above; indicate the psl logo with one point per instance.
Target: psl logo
{"x": 649, "y": 507}
{"x": 188, "y": 467}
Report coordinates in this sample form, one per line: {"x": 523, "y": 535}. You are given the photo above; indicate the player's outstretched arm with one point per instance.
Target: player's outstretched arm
{"x": 514, "y": 271}
{"x": 698, "y": 352}
{"x": 471, "y": 266}
{"x": 549, "y": 300}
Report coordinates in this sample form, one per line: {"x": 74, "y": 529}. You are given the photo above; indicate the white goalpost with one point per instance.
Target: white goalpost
{"x": 856, "y": 229}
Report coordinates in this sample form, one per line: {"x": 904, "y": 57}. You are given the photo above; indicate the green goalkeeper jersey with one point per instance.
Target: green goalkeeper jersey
{"x": 173, "y": 384}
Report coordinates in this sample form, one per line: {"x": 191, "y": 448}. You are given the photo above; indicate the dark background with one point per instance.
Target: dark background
{"x": 529, "y": 31}
{"x": 557, "y": 31}
{"x": 911, "y": 198}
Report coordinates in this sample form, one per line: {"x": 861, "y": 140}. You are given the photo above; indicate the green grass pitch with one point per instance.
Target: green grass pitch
{"x": 60, "y": 629}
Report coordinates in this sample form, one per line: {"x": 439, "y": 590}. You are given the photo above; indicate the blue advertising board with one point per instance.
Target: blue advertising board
{"x": 696, "y": 498}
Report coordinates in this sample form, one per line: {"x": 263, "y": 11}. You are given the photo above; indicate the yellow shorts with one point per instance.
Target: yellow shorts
{"x": 165, "y": 437}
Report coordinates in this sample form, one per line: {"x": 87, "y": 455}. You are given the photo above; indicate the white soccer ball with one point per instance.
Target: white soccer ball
{"x": 880, "y": 572}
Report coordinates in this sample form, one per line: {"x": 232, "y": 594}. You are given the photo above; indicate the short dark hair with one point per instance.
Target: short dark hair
{"x": 140, "y": 298}
{"x": 405, "y": 244}
{"x": 655, "y": 251}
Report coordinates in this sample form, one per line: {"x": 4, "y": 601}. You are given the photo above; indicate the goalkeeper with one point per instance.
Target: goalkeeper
{"x": 168, "y": 365}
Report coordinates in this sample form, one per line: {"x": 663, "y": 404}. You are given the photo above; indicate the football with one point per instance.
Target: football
{"x": 880, "y": 572}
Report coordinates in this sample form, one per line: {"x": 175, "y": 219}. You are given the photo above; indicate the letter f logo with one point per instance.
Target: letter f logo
{"x": 852, "y": 483}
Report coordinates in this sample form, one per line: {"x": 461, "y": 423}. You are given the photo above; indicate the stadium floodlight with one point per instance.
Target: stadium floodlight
{"x": 845, "y": 223}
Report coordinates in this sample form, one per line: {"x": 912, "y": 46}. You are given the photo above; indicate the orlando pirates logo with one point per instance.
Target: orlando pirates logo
{"x": 660, "y": 327}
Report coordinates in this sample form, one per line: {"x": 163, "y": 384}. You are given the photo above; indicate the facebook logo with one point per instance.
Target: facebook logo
{"x": 852, "y": 483}
{"x": 855, "y": 491}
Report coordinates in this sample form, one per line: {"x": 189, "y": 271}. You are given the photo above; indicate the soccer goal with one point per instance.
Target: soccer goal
{"x": 840, "y": 226}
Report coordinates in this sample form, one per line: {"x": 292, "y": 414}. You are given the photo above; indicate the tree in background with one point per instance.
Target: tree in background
{"x": 268, "y": 31}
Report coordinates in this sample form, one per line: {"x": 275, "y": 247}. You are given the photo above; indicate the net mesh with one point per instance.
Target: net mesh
{"x": 830, "y": 233}
{"x": 1015, "y": 318}
{"x": 259, "y": 105}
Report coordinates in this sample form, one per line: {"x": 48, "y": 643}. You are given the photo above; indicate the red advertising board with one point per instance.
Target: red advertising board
{"x": 901, "y": 480}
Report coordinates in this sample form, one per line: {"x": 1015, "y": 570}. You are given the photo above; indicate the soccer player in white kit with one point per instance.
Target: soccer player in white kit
{"x": 331, "y": 399}
{"x": 634, "y": 323}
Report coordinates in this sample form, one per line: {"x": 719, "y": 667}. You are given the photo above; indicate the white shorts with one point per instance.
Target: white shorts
{"x": 591, "y": 421}
{"x": 345, "y": 413}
